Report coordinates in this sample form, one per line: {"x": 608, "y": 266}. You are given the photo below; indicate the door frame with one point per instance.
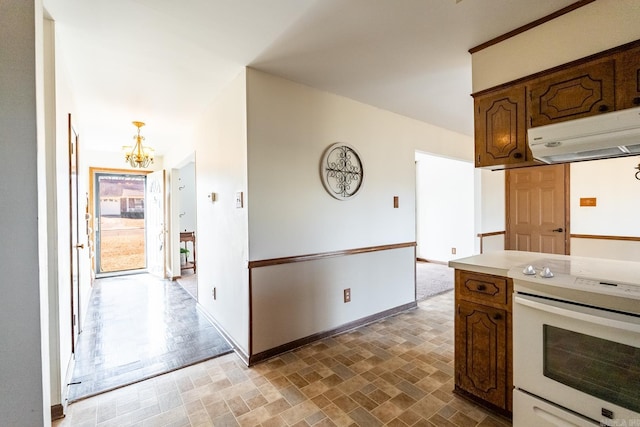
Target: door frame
{"x": 92, "y": 209}
{"x": 74, "y": 232}
{"x": 567, "y": 208}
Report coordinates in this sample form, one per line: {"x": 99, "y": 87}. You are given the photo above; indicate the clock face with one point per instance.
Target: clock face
{"x": 341, "y": 171}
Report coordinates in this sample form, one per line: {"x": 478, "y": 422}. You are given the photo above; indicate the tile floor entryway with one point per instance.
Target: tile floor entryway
{"x": 137, "y": 327}
{"x": 397, "y": 372}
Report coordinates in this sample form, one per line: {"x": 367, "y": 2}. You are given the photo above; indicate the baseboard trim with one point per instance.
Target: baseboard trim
{"x": 277, "y": 351}
{"x": 57, "y": 412}
{"x": 234, "y": 345}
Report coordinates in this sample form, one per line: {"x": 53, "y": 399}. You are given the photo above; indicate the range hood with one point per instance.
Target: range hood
{"x": 603, "y": 136}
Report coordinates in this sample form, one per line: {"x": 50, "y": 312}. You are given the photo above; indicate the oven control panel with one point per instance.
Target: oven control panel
{"x": 617, "y": 287}
{"x": 567, "y": 281}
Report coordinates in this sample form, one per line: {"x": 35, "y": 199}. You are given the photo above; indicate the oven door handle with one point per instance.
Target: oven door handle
{"x": 587, "y": 314}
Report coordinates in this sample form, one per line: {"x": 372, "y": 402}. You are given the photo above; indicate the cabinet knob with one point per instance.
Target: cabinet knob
{"x": 481, "y": 287}
{"x": 603, "y": 108}
{"x": 517, "y": 155}
{"x": 636, "y": 100}
{"x": 497, "y": 316}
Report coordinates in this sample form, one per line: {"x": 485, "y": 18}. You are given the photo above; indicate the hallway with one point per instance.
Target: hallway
{"x": 398, "y": 371}
{"x": 137, "y": 327}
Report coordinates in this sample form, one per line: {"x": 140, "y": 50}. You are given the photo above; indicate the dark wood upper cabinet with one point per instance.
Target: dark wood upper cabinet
{"x": 628, "y": 79}
{"x": 573, "y": 93}
{"x": 600, "y": 83}
{"x": 500, "y": 127}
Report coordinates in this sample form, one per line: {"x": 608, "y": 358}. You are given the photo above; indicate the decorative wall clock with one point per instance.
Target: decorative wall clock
{"x": 341, "y": 171}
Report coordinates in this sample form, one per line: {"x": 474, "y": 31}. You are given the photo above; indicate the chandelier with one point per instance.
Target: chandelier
{"x": 138, "y": 155}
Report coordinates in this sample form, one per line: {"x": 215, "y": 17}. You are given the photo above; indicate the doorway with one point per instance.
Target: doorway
{"x": 186, "y": 207}
{"x": 445, "y": 220}
{"x": 445, "y": 208}
{"x": 120, "y": 223}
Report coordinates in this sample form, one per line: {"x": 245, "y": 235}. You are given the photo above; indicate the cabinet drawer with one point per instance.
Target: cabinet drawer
{"x": 482, "y": 287}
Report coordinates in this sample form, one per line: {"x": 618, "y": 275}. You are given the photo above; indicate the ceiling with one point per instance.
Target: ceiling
{"x": 164, "y": 61}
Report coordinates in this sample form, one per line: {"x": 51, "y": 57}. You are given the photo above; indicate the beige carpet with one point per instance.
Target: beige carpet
{"x": 432, "y": 279}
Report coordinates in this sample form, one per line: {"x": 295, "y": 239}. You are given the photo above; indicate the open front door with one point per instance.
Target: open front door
{"x": 156, "y": 230}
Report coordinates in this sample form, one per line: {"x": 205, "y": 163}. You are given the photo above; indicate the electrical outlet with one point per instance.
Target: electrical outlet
{"x": 213, "y": 293}
{"x": 347, "y": 295}
{"x": 453, "y": 251}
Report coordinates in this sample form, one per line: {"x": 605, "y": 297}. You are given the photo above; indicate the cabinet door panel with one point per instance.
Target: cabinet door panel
{"x": 500, "y": 131}
{"x": 481, "y": 335}
{"x": 570, "y": 94}
{"x": 628, "y": 79}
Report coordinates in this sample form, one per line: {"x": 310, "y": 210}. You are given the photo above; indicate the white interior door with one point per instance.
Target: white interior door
{"x": 156, "y": 230}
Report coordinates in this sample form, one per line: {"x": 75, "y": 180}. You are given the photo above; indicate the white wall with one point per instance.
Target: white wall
{"x": 492, "y": 208}
{"x": 289, "y": 128}
{"x": 290, "y": 213}
{"x": 222, "y": 243}
{"x": 617, "y": 194}
{"x": 292, "y": 301}
{"x": 444, "y": 207}
{"x": 25, "y": 392}
{"x": 264, "y": 136}
{"x": 588, "y": 30}
{"x": 60, "y": 283}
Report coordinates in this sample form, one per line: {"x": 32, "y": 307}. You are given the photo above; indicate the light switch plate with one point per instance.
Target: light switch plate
{"x": 239, "y": 199}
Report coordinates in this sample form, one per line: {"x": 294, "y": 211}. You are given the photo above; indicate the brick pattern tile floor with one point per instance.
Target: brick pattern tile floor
{"x": 137, "y": 327}
{"x": 396, "y": 372}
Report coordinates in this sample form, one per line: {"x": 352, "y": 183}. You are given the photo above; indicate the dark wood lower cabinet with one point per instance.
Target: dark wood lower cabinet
{"x": 482, "y": 362}
{"x": 483, "y": 339}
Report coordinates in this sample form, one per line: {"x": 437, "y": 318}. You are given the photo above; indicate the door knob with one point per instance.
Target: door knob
{"x": 558, "y": 230}
{"x": 80, "y": 246}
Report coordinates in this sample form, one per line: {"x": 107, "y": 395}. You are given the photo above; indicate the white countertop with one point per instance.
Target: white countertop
{"x": 499, "y": 262}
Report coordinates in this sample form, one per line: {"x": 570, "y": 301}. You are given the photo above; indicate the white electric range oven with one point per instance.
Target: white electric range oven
{"x": 576, "y": 343}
